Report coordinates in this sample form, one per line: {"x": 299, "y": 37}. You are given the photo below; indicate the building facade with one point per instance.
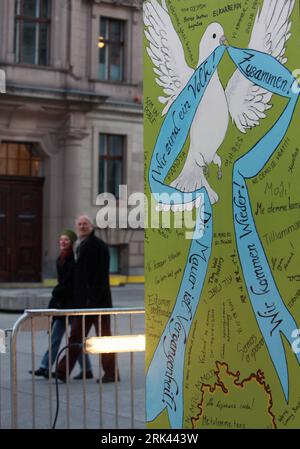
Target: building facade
{"x": 71, "y": 126}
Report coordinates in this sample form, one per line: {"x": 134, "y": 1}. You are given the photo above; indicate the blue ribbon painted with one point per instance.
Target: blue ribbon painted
{"x": 271, "y": 313}
{"x": 164, "y": 380}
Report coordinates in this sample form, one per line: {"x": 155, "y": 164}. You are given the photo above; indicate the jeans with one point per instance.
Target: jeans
{"x": 108, "y": 360}
{"x": 58, "y": 330}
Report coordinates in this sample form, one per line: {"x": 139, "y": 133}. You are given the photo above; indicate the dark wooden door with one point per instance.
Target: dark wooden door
{"x": 5, "y": 226}
{"x": 21, "y": 229}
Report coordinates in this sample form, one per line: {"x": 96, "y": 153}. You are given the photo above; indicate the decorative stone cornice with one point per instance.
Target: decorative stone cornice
{"x": 48, "y": 143}
{"x": 73, "y": 127}
{"x": 136, "y": 4}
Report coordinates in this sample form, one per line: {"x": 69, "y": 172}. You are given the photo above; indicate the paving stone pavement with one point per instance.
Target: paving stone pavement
{"x": 35, "y": 396}
{"x": 18, "y": 299}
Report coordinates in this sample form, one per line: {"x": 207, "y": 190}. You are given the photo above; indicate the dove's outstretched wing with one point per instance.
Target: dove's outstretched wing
{"x": 166, "y": 52}
{"x": 247, "y": 102}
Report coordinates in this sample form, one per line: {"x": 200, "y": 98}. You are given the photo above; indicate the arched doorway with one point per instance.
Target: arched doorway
{"x": 21, "y": 193}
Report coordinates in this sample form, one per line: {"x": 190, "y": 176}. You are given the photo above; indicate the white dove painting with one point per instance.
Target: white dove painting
{"x": 242, "y": 100}
{"x": 220, "y": 308}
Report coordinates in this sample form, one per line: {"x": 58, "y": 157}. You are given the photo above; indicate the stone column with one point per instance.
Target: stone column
{"x": 7, "y": 22}
{"x": 72, "y": 135}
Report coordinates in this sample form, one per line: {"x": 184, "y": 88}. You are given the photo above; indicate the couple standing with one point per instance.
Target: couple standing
{"x": 83, "y": 282}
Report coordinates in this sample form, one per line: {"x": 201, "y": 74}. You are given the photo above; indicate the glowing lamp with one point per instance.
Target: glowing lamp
{"x": 115, "y": 343}
{"x": 101, "y": 44}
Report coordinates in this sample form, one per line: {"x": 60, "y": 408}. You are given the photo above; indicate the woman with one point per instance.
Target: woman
{"x": 62, "y": 298}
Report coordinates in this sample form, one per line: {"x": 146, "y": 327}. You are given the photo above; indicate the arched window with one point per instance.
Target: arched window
{"x": 19, "y": 159}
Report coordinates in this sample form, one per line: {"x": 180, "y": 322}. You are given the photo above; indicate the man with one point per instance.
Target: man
{"x": 91, "y": 290}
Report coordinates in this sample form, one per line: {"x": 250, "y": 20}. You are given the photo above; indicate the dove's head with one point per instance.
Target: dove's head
{"x": 211, "y": 39}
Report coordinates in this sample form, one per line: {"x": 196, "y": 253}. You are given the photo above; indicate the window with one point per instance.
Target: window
{"x": 19, "y": 160}
{"x": 32, "y": 31}
{"x": 114, "y": 265}
{"x": 111, "y": 50}
{"x": 111, "y": 157}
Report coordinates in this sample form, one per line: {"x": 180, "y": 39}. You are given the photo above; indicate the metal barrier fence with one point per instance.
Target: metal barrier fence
{"x": 5, "y": 416}
{"x": 82, "y": 403}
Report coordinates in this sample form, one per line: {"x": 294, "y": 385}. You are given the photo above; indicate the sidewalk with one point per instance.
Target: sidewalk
{"x": 19, "y": 299}
{"x": 126, "y": 296}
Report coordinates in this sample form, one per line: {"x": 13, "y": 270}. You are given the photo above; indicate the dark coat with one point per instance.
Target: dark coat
{"x": 91, "y": 274}
{"x": 62, "y": 294}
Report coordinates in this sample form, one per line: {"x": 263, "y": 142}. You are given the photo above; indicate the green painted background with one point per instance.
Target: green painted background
{"x": 243, "y": 391}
